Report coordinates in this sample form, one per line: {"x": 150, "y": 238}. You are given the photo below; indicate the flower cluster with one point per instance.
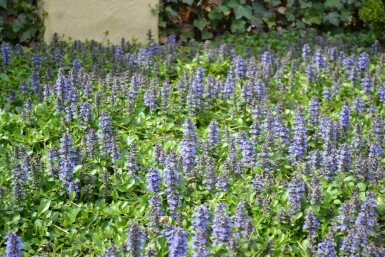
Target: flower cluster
{"x": 296, "y": 192}
{"x": 135, "y": 240}
{"x": 188, "y": 146}
{"x": 221, "y": 226}
{"x": 108, "y": 145}
{"x": 201, "y": 228}
{"x": 69, "y": 158}
{"x": 298, "y": 147}
{"x": 13, "y": 245}
{"x": 177, "y": 242}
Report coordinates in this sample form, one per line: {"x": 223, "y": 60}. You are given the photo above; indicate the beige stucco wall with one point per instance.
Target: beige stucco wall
{"x": 101, "y": 20}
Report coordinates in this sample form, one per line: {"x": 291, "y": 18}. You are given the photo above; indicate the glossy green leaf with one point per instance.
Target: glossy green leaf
{"x": 44, "y": 206}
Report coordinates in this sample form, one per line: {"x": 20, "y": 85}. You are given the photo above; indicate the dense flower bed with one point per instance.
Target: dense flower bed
{"x": 200, "y": 150}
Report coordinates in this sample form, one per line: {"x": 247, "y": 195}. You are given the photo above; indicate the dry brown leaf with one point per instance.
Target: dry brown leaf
{"x": 281, "y": 9}
{"x": 163, "y": 220}
{"x": 162, "y": 39}
{"x": 207, "y": 8}
{"x": 185, "y": 16}
{"x": 186, "y": 28}
{"x": 216, "y": 2}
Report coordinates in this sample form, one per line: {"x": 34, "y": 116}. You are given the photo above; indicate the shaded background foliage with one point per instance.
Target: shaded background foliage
{"x": 21, "y": 21}
{"x": 206, "y": 19}
{"x": 372, "y": 12}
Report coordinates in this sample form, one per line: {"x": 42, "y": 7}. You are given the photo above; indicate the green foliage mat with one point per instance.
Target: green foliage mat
{"x": 269, "y": 145}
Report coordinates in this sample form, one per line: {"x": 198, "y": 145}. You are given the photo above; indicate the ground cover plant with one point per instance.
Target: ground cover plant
{"x": 267, "y": 146}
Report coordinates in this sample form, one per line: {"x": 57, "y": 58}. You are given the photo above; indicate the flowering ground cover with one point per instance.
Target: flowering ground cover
{"x": 260, "y": 147}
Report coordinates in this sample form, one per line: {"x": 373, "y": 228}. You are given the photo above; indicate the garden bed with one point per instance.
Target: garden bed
{"x": 264, "y": 146}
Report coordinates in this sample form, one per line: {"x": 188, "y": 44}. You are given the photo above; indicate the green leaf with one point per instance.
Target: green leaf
{"x": 16, "y": 218}
{"x": 316, "y": 208}
{"x": 38, "y": 223}
{"x": 162, "y": 24}
{"x": 289, "y": 16}
{"x": 333, "y": 18}
{"x": 381, "y": 206}
{"x": 4, "y": 77}
{"x": 274, "y": 2}
{"x": 3, "y": 3}
{"x": 305, "y": 5}
{"x": 297, "y": 216}
{"x": 243, "y": 11}
{"x": 238, "y": 26}
{"x": 334, "y": 4}
{"x": 312, "y": 20}
{"x": 71, "y": 217}
{"x": 113, "y": 210}
{"x": 258, "y": 8}
{"x": 126, "y": 120}
{"x": 207, "y": 35}
{"x": 40, "y": 108}
{"x": 44, "y": 206}
{"x": 131, "y": 183}
{"x": 22, "y": 18}
{"x": 346, "y": 15}
{"x": 77, "y": 168}
{"x": 189, "y": 2}
{"x": 215, "y": 16}
{"x": 223, "y": 8}
{"x": 26, "y": 35}
{"x": 17, "y": 26}
{"x": 362, "y": 187}
{"x": 72, "y": 195}
{"x": 200, "y": 24}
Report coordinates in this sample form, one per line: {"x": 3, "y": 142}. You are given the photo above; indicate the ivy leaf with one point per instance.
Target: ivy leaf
{"x": 26, "y": 35}
{"x": 305, "y": 5}
{"x": 162, "y": 24}
{"x": 333, "y": 18}
{"x": 238, "y": 26}
{"x": 16, "y": 27}
{"x": 3, "y": 3}
{"x": 207, "y": 35}
{"x": 200, "y": 24}
{"x": 274, "y": 2}
{"x": 224, "y": 9}
{"x": 333, "y": 4}
{"x": 314, "y": 16}
{"x": 189, "y": 2}
{"x": 345, "y": 15}
{"x": 313, "y": 20}
{"x": 22, "y": 18}
{"x": 243, "y": 11}
{"x": 289, "y": 16}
